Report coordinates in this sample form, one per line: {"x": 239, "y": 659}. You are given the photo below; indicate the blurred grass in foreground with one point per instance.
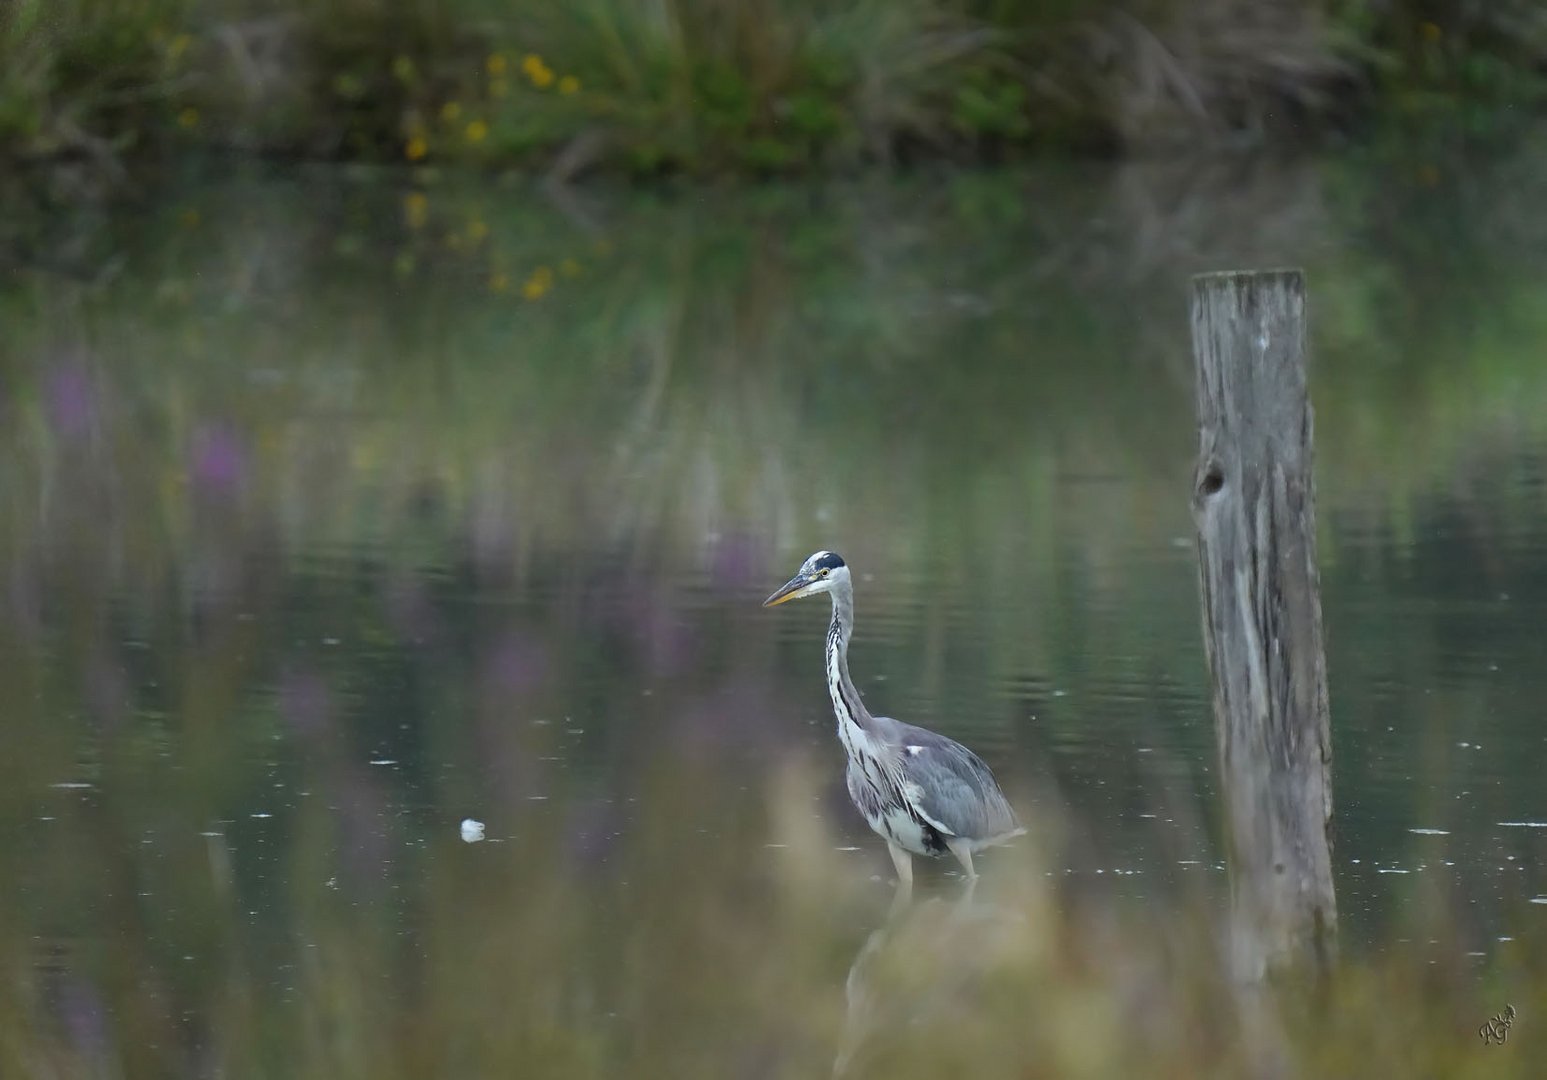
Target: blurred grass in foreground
{"x": 707, "y": 942}
{"x": 742, "y": 86}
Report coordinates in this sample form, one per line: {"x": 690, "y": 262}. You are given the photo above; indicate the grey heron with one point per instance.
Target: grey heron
{"x": 923, "y": 793}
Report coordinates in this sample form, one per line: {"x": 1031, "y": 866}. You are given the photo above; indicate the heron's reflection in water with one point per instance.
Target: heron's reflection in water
{"x": 917, "y": 967}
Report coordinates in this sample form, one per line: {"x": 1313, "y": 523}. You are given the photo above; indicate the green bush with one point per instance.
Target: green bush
{"x": 716, "y": 86}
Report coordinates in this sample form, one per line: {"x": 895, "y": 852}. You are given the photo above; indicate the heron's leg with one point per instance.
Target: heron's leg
{"x": 964, "y": 903}
{"x": 904, "y": 863}
{"x": 963, "y": 855}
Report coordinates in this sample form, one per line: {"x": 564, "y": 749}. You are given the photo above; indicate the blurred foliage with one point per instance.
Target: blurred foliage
{"x": 1451, "y": 60}
{"x": 741, "y": 86}
{"x": 335, "y": 510}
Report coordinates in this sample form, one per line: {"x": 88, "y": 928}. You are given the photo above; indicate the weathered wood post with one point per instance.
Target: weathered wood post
{"x": 1255, "y": 509}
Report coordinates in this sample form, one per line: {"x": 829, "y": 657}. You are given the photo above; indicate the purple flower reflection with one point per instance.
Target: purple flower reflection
{"x": 594, "y": 829}
{"x": 491, "y": 535}
{"x": 661, "y": 634}
{"x": 737, "y": 562}
{"x": 512, "y": 669}
{"x": 411, "y": 612}
{"x": 72, "y": 400}
{"x": 305, "y": 702}
{"x": 218, "y": 459}
{"x": 26, "y": 596}
{"x": 83, "y": 1014}
{"x": 728, "y": 722}
{"x": 515, "y": 664}
{"x": 365, "y": 829}
{"x": 107, "y": 690}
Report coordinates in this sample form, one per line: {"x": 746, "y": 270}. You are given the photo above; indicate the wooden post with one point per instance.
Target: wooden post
{"x": 1255, "y": 508}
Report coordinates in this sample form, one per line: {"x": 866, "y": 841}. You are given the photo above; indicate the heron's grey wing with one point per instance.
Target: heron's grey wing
{"x": 953, "y": 789}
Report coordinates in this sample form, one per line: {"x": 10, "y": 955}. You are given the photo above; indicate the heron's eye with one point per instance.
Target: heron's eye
{"x": 823, "y": 572}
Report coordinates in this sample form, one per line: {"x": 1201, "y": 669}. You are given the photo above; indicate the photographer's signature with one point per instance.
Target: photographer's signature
{"x": 1496, "y": 1028}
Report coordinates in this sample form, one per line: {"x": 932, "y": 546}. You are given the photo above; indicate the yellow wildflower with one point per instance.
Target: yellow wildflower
{"x": 416, "y": 148}
{"x": 450, "y": 111}
{"x": 495, "y": 65}
{"x": 538, "y": 72}
{"x": 188, "y": 118}
{"x": 477, "y": 131}
{"x": 416, "y": 207}
{"x": 569, "y": 85}
{"x": 538, "y": 284}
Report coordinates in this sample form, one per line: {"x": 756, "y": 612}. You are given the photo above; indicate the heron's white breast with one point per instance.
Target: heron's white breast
{"x": 903, "y": 829}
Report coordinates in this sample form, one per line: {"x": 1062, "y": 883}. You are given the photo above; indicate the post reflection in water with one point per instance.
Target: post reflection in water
{"x": 314, "y": 545}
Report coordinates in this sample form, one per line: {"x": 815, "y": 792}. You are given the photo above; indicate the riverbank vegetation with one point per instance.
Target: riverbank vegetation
{"x": 718, "y": 87}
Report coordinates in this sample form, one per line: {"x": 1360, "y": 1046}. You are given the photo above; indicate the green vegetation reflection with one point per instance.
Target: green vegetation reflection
{"x": 338, "y": 513}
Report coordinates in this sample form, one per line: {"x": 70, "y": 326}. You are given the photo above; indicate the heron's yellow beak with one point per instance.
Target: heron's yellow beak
{"x": 791, "y": 590}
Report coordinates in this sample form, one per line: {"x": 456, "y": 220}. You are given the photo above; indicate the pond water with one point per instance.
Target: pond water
{"x": 338, "y": 509}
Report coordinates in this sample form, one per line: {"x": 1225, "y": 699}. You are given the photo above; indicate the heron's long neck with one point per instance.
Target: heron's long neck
{"x": 847, "y": 703}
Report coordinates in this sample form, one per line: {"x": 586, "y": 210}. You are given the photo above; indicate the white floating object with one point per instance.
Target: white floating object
{"x": 1430, "y": 832}
{"x": 1523, "y": 824}
{"x": 472, "y": 831}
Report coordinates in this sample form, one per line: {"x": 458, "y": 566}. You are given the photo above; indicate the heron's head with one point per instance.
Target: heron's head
{"x": 821, "y": 573}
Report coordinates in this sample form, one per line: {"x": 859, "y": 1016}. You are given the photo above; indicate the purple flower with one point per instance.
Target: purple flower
{"x": 72, "y": 400}
{"x": 218, "y": 459}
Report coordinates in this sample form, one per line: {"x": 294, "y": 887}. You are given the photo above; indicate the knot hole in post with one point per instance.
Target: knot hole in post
{"x": 1212, "y": 479}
